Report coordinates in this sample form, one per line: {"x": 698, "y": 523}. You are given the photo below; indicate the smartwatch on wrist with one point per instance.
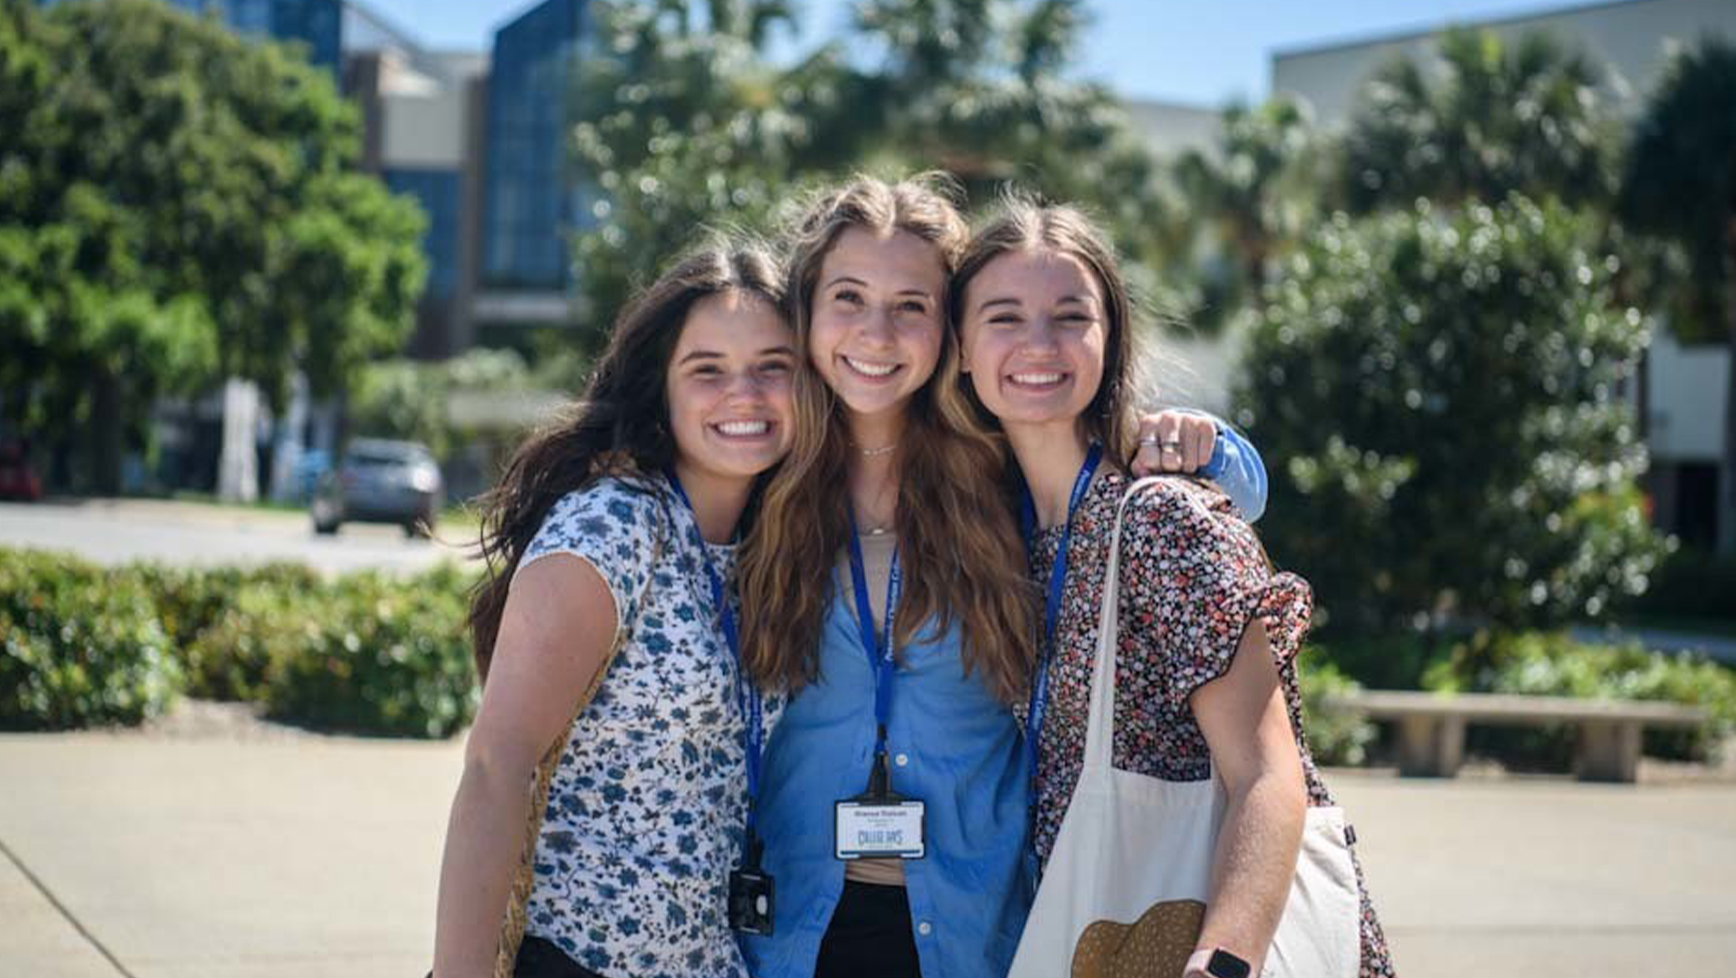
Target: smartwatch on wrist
{"x": 1216, "y": 962}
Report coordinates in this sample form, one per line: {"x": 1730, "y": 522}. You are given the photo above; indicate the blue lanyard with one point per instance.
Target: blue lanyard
{"x": 1052, "y": 603}
{"x": 746, "y": 694}
{"x": 880, "y": 651}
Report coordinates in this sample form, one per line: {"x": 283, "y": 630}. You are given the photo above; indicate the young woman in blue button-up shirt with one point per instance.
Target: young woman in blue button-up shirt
{"x": 889, "y": 466}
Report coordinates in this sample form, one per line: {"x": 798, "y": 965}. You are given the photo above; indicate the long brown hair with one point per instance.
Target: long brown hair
{"x": 957, "y": 539}
{"x": 1023, "y": 224}
{"x": 619, "y": 425}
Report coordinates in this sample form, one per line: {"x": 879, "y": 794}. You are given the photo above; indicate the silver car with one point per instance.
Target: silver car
{"x": 380, "y": 481}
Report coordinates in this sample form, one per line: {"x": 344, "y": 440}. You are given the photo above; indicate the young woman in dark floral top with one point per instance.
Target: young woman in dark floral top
{"x": 1208, "y": 634}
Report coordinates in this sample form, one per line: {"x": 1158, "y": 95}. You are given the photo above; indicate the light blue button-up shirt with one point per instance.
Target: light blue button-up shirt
{"x": 954, "y": 747}
{"x": 1238, "y": 470}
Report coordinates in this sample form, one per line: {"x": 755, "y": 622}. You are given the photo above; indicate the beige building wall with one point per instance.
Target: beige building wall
{"x": 425, "y": 129}
{"x": 1631, "y": 38}
{"x": 1171, "y": 128}
{"x": 1177, "y": 368}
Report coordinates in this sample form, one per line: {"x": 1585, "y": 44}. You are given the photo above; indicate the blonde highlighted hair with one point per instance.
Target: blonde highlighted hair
{"x": 958, "y": 543}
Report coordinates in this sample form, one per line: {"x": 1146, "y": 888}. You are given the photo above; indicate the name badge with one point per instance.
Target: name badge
{"x": 878, "y": 829}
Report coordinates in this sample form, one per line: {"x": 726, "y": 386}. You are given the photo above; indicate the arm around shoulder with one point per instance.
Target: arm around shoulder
{"x": 1238, "y": 469}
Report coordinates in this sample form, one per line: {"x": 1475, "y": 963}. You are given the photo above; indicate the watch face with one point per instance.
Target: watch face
{"x": 1226, "y": 965}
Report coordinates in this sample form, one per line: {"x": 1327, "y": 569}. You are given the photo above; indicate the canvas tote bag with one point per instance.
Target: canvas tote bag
{"x": 1124, "y": 893}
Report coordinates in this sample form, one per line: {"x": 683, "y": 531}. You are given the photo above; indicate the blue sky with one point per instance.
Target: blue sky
{"x": 1203, "y": 51}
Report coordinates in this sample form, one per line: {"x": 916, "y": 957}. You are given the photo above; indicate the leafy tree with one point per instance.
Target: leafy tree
{"x": 978, "y": 88}
{"x": 1255, "y": 196}
{"x": 1482, "y": 119}
{"x": 1680, "y": 185}
{"x": 178, "y": 205}
{"x": 684, "y": 122}
{"x": 1442, "y": 387}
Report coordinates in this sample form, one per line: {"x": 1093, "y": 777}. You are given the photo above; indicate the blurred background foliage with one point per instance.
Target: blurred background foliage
{"x": 178, "y": 206}
{"x": 85, "y": 645}
{"x": 1442, "y": 305}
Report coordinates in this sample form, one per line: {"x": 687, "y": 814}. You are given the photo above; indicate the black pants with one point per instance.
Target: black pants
{"x": 869, "y": 936}
{"x": 538, "y": 958}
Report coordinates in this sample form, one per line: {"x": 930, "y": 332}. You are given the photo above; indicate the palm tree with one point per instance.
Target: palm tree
{"x": 1482, "y": 119}
{"x": 1680, "y": 186}
{"x": 1256, "y": 194}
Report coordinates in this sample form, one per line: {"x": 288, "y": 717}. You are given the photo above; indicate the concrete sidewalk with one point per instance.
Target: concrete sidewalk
{"x": 114, "y": 531}
{"x": 307, "y": 856}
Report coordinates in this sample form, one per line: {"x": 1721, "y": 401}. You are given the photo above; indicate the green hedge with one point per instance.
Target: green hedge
{"x": 1333, "y": 737}
{"x": 79, "y": 645}
{"x": 86, "y": 645}
{"x": 1536, "y": 663}
{"x": 373, "y": 656}
{"x": 1394, "y": 661}
{"x": 1552, "y": 664}
{"x": 208, "y": 614}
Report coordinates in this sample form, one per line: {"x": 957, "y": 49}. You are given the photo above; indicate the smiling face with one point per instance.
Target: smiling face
{"x": 1035, "y": 332}
{"x": 876, "y": 320}
{"x": 728, "y": 387}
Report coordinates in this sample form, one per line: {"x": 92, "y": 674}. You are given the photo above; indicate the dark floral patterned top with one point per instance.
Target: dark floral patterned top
{"x": 648, "y": 805}
{"x": 1193, "y": 576}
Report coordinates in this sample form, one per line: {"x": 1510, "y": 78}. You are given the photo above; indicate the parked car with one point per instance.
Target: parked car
{"x": 380, "y": 481}
{"x": 18, "y": 481}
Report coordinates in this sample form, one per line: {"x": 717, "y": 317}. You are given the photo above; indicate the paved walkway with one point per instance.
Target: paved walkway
{"x": 113, "y": 531}
{"x": 307, "y": 856}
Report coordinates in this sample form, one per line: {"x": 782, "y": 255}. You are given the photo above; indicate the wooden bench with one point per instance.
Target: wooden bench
{"x": 1431, "y": 726}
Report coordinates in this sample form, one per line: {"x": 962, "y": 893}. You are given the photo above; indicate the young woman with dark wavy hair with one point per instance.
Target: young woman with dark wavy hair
{"x": 609, "y": 542}
{"x": 885, "y": 587}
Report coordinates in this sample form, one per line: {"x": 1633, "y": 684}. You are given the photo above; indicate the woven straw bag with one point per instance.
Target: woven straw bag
{"x": 524, "y": 876}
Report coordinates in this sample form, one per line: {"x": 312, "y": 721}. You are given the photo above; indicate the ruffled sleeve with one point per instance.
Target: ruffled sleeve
{"x": 1194, "y": 576}
{"x": 612, "y": 527}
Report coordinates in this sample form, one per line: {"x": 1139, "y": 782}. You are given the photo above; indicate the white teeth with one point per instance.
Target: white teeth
{"x": 871, "y": 369}
{"x": 1036, "y": 379}
{"x": 743, "y": 427}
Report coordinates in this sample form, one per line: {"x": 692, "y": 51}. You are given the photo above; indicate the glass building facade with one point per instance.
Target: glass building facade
{"x": 315, "y": 23}
{"x": 502, "y": 207}
{"x": 529, "y": 200}
{"x": 441, "y": 194}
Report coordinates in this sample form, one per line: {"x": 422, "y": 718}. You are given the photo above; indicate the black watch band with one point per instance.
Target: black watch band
{"x": 1223, "y": 964}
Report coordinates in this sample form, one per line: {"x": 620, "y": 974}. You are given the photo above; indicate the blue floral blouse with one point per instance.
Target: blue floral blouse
{"x": 647, "y": 807}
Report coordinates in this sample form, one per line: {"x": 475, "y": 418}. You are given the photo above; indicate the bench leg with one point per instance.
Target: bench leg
{"x": 1609, "y": 751}
{"x": 1430, "y": 747}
